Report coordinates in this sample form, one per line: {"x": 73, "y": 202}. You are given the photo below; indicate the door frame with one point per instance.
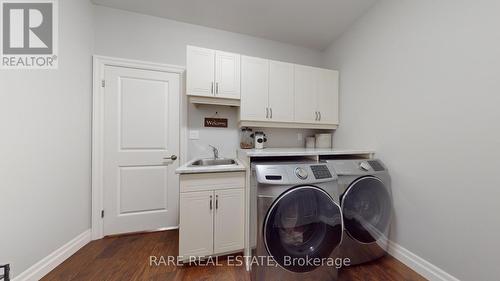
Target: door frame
{"x": 99, "y": 64}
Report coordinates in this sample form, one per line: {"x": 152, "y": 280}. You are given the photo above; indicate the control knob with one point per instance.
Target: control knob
{"x": 301, "y": 173}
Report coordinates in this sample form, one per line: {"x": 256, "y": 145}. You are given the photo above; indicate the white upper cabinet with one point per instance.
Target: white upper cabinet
{"x": 316, "y": 95}
{"x": 269, "y": 93}
{"x": 227, "y": 75}
{"x": 254, "y": 89}
{"x": 328, "y": 96}
{"x": 281, "y": 97}
{"x": 200, "y": 64}
{"x": 266, "y": 90}
{"x": 212, "y": 73}
{"x": 306, "y": 96}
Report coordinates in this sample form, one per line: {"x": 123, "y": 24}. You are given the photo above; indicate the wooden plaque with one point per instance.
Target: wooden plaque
{"x": 216, "y": 122}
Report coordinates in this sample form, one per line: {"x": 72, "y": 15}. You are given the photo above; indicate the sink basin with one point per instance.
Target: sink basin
{"x": 213, "y": 162}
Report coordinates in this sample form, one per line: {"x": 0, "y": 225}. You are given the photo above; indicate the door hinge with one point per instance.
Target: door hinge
{"x": 102, "y": 213}
{"x": 103, "y": 83}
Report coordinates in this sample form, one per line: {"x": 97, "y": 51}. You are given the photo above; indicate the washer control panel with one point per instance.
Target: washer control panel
{"x": 283, "y": 173}
{"x": 321, "y": 172}
{"x": 301, "y": 173}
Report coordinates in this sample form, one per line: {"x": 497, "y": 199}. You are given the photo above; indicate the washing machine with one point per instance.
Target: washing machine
{"x": 366, "y": 202}
{"x": 295, "y": 217}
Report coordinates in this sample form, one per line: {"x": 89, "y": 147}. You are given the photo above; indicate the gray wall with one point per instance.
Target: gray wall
{"x": 134, "y": 36}
{"x": 45, "y": 146}
{"x": 420, "y": 84}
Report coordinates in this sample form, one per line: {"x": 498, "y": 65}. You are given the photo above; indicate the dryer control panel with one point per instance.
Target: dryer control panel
{"x": 294, "y": 173}
{"x": 357, "y": 167}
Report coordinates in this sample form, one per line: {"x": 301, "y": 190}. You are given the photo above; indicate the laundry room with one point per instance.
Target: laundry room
{"x": 249, "y": 140}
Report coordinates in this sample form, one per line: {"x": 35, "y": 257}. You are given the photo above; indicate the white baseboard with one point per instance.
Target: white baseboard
{"x": 41, "y": 268}
{"x": 418, "y": 264}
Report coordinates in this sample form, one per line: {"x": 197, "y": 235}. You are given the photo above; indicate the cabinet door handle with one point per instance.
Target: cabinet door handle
{"x": 217, "y": 87}
{"x": 271, "y": 112}
{"x": 267, "y": 112}
{"x": 216, "y": 202}
{"x": 212, "y": 88}
{"x": 210, "y": 202}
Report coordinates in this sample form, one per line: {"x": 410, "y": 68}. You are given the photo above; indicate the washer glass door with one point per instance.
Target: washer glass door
{"x": 303, "y": 223}
{"x": 367, "y": 210}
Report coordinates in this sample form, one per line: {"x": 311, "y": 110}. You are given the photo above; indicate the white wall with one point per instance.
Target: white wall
{"x": 45, "y": 147}
{"x": 420, "y": 84}
{"x": 228, "y": 139}
{"x": 135, "y": 36}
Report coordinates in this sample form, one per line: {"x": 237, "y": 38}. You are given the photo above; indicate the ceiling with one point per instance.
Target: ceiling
{"x": 308, "y": 23}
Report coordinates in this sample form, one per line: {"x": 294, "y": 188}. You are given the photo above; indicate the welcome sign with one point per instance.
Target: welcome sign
{"x": 29, "y": 34}
{"x": 216, "y": 122}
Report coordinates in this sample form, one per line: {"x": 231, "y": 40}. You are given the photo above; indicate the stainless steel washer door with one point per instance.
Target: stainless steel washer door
{"x": 367, "y": 209}
{"x": 302, "y": 223}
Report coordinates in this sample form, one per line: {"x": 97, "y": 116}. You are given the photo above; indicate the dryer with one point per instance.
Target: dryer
{"x": 295, "y": 215}
{"x": 366, "y": 202}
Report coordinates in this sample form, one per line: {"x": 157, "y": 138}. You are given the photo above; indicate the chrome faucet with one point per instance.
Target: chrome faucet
{"x": 215, "y": 151}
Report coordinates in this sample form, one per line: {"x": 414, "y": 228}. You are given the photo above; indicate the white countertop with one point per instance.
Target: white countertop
{"x": 269, "y": 152}
{"x": 188, "y": 169}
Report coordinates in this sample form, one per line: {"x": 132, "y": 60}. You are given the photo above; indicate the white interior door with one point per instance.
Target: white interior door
{"x": 281, "y": 97}
{"x": 328, "y": 96}
{"x": 254, "y": 89}
{"x": 200, "y": 71}
{"x": 227, "y": 75}
{"x": 141, "y": 129}
{"x": 305, "y": 94}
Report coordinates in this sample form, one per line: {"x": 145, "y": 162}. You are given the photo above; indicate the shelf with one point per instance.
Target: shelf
{"x": 319, "y": 152}
{"x": 213, "y": 101}
{"x": 291, "y": 125}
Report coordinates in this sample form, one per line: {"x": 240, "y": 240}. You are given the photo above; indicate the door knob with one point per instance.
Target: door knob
{"x": 173, "y": 158}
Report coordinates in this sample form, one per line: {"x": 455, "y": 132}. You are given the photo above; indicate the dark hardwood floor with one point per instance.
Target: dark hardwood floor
{"x": 128, "y": 258}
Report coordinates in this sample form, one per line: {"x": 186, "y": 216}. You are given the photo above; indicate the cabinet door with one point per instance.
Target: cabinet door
{"x": 200, "y": 71}
{"x": 281, "y": 100}
{"x": 305, "y": 94}
{"x": 328, "y": 96}
{"x": 254, "y": 89}
{"x": 227, "y": 75}
{"x": 229, "y": 220}
{"x": 196, "y": 223}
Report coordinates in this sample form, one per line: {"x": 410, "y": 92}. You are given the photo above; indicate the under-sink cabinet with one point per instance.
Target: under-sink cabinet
{"x": 212, "y": 214}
